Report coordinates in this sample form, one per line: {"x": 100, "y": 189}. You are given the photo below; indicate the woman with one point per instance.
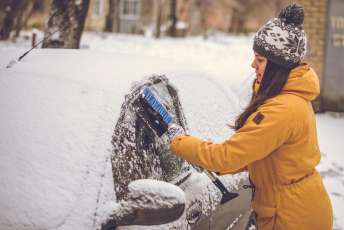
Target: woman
{"x": 275, "y": 138}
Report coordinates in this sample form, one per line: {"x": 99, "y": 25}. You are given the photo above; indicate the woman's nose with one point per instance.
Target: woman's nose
{"x": 253, "y": 64}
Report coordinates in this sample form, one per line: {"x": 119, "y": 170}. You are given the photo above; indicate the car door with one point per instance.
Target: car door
{"x": 204, "y": 210}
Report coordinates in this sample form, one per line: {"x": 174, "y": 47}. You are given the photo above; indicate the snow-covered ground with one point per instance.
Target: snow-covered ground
{"x": 59, "y": 108}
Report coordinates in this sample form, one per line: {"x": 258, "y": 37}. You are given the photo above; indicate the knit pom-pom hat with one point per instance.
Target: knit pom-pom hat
{"x": 282, "y": 40}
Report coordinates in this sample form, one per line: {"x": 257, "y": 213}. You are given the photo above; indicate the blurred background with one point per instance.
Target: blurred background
{"x": 176, "y": 18}
{"x": 62, "y": 22}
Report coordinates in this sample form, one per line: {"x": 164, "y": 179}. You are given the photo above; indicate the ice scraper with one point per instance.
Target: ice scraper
{"x": 155, "y": 115}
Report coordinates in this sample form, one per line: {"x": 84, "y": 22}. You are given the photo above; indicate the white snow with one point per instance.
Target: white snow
{"x": 59, "y": 108}
{"x": 158, "y": 193}
{"x": 55, "y": 35}
{"x": 330, "y": 128}
{"x": 149, "y": 194}
{"x": 182, "y": 25}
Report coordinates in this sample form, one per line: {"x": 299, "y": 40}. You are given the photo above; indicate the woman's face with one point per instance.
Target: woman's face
{"x": 259, "y": 64}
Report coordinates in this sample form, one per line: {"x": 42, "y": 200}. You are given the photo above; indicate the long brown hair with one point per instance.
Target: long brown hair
{"x": 274, "y": 78}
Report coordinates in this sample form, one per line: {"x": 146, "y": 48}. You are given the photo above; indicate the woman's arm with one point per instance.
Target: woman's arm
{"x": 264, "y": 131}
{"x": 244, "y": 169}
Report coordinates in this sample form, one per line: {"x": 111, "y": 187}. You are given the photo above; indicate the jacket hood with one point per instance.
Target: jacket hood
{"x": 302, "y": 82}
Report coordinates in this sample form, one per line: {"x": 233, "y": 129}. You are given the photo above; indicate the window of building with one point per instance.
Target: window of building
{"x": 130, "y": 9}
{"x": 98, "y": 7}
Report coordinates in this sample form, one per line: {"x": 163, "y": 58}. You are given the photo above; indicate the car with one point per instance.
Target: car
{"x": 138, "y": 152}
{"x": 64, "y": 120}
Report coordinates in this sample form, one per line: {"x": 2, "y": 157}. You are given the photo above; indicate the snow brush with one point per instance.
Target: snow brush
{"x": 152, "y": 112}
{"x": 156, "y": 116}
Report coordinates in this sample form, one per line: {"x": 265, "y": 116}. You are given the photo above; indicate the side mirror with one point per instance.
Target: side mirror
{"x": 149, "y": 202}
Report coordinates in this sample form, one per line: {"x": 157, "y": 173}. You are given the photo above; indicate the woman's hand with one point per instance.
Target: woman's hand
{"x": 174, "y": 130}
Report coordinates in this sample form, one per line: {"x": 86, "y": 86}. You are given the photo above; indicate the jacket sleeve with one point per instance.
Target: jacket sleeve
{"x": 264, "y": 131}
{"x": 244, "y": 169}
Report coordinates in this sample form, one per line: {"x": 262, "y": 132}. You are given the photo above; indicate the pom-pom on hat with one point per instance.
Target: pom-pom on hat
{"x": 282, "y": 40}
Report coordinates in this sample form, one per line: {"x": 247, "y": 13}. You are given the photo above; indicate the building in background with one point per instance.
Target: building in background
{"x": 96, "y": 17}
{"x": 126, "y": 16}
{"x": 194, "y": 17}
{"x": 327, "y": 24}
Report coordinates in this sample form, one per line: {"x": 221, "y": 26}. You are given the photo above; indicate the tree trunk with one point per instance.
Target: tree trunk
{"x": 117, "y": 12}
{"x": 238, "y": 22}
{"x": 9, "y": 10}
{"x": 23, "y": 16}
{"x": 28, "y": 15}
{"x": 66, "y": 24}
{"x": 110, "y": 17}
{"x": 18, "y": 23}
{"x": 204, "y": 17}
{"x": 112, "y": 23}
{"x": 174, "y": 18}
{"x": 158, "y": 20}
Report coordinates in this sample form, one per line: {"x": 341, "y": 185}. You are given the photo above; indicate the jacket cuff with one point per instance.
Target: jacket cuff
{"x": 175, "y": 144}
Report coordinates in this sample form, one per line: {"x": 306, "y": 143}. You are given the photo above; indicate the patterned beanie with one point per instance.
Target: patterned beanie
{"x": 282, "y": 40}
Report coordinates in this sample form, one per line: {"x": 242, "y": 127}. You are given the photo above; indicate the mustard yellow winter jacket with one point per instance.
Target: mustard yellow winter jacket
{"x": 279, "y": 148}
